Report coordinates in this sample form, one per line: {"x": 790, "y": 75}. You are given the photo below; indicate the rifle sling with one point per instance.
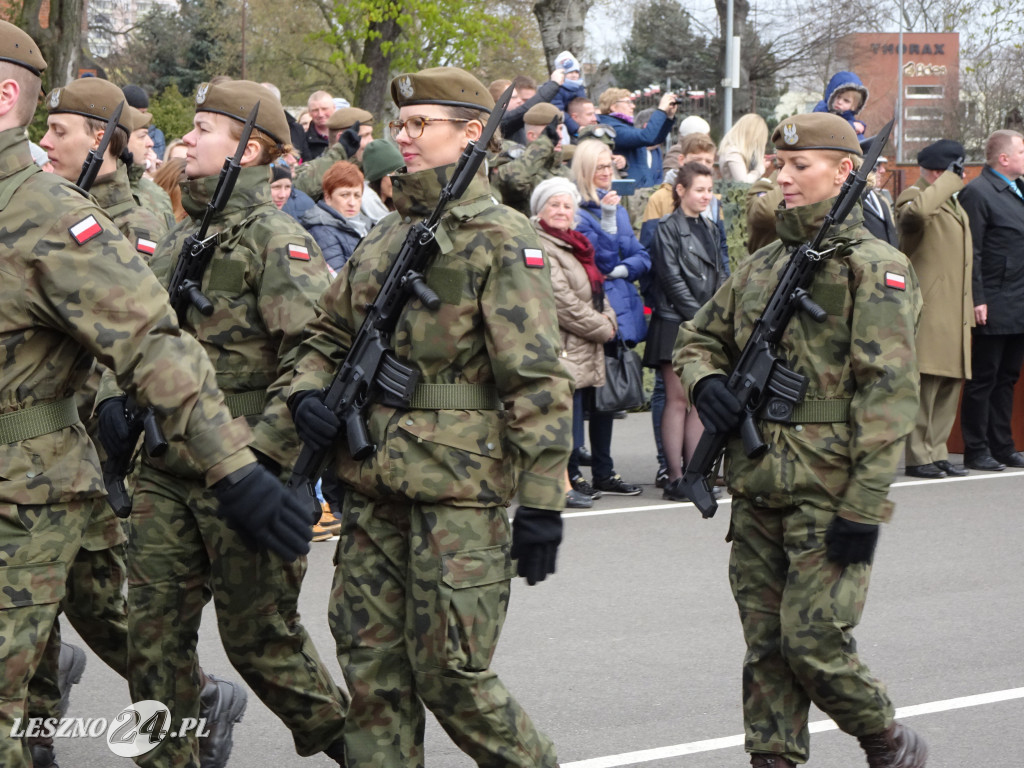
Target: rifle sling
{"x": 38, "y": 420}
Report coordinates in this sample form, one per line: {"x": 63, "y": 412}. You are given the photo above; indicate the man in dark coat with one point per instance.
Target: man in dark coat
{"x": 995, "y": 206}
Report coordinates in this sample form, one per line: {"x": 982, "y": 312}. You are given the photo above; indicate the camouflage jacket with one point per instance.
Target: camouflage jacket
{"x": 72, "y": 288}
{"x": 863, "y": 355}
{"x": 308, "y": 177}
{"x": 263, "y": 281}
{"x": 497, "y": 327}
{"x": 518, "y": 169}
{"x": 141, "y": 225}
{"x": 151, "y": 195}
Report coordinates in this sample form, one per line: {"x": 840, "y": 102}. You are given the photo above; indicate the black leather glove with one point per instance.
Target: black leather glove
{"x": 536, "y": 534}
{"x": 848, "y": 542}
{"x": 551, "y": 130}
{"x": 315, "y": 422}
{"x": 263, "y": 512}
{"x": 350, "y": 139}
{"x": 113, "y": 428}
{"x": 716, "y": 406}
{"x": 957, "y": 167}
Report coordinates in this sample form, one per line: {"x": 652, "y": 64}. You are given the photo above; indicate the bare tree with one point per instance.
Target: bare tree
{"x": 59, "y": 39}
{"x": 561, "y": 26}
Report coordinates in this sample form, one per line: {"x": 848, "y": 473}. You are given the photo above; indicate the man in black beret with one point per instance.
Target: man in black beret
{"x": 936, "y": 236}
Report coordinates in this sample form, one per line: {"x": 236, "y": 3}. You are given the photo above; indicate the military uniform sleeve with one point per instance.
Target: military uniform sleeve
{"x": 521, "y": 333}
{"x": 309, "y": 176}
{"x": 294, "y": 277}
{"x": 763, "y": 198}
{"x": 106, "y": 297}
{"x": 883, "y": 364}
{"x": 518, "y": 177}
{"x": 915, "y": 206}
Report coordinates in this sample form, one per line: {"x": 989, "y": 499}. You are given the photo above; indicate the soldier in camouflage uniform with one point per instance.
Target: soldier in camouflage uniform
{"x": 72, "y": 289}
{"x": 350, "y": 130}
{"x": 426, "y": 555}
{"x": 518, "y": 169}
{"x": 806, "y": 515}
{"x": 147, "y": 192}
{"x": 263, "y": 280}
{"x": 95, "y": 602}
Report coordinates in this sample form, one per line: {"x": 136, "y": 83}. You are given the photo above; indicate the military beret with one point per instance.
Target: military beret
{"x": 381, "y": 157}
{"x": 90, "y": 97}
{"x": 236, "y": 98}
{"x": 542, "y": 114}
{"x": 18, "y": 48}
{"x": 939, "y": 156}
{"x": 817, "y": 130}
{"x": 447, "y": 86}
{"x": 136, "y": 96}
{"x": 138, "y": 119}
{"x": 599, "y": 131}
{"x": 346, "y": 117}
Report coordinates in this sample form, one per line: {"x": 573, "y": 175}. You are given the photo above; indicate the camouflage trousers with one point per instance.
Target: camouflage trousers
{"x": 94, "y": 602}
{"x": 180, "y": 554}
{"x": 798, "y": 610}
{"x": 37, "y": 546}
{"x": 419, "y": 599}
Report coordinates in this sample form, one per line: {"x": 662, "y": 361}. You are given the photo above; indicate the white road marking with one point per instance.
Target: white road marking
{"x": 708, "y": 745}
{"x": 726, "y": 500}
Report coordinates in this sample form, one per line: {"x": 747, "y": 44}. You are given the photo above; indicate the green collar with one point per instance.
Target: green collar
{"x": 15, "y": 154}
{"x": 416, "y": 194}
{"x": 113, "y": 189}
{"x": 252, "y": 189}
{"x": 797, "y": 226}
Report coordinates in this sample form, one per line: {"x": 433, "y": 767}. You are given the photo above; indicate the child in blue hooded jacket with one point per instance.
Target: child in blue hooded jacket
{"x": 845, "y": 95}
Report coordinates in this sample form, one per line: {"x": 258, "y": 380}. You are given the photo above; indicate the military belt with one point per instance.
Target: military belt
{"x": 246, "y": 403}
{"x": 38, "y": 420}
{"x": 448, "y": 397}
{"x": 821, "y": 411}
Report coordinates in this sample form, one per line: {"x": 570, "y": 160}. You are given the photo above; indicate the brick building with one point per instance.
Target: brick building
{"x": 931, "y": 83}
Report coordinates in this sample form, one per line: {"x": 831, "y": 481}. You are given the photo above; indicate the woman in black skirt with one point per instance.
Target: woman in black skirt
{"x": 688, "y": 269}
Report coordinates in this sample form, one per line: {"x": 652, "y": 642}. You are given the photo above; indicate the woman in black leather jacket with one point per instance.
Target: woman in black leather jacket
{"x": 688, "y": 269}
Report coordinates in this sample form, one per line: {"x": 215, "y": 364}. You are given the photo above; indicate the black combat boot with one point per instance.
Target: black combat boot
{"x": 770, "y": 761}
{"x": 222, "y": 704}
{"x": 42, "y": 752}
{"x": 895, "y": 747}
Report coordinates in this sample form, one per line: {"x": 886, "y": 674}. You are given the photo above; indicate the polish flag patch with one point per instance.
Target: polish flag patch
{"x": 299, "y": 252}
{"x": 142, "y": 245}
{"x": 533, "y": 258}
{"x": 894, "y": 280}
{"x": 85, "y": 230}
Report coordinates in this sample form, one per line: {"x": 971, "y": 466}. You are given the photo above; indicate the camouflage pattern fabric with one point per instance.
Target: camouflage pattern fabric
{"x": 441, "y": 478}
{"x": 733, "y": 195}
{"x": 71, "y": 289}
{"x": 308, "y": 177}
{"x": 263, "y": 281}
{"x": 525, "y": 168}
{"x": 796, "y": 607}
{"x": 95, "y": 603}
{"x": 179, "y": 555}
{"x": 150, "y": 195}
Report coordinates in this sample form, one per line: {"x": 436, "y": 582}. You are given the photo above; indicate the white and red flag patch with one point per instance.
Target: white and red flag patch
{"x": 533, "y": 258}
{"x": 85, "y": 230}
{"x": 895, "y": 280}
{"x": 299, "y": 252}
{"x": 142, "y": 245}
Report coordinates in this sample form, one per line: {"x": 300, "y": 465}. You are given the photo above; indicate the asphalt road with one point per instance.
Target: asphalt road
{"x": 630, "y": 655}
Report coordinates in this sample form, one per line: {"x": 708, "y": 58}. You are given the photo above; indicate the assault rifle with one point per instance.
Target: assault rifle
{"x": 370, "y": 370}
{"x": 761, "y": 381}
{"x": 197, "y": 250}
{"x": 140, "y": 421}
{"x": 93, "y": 161}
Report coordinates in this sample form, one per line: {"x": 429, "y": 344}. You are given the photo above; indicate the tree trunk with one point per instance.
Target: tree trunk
{"x": 60, "y": 42}
{"x": 372, "y": 94}
{"x": 561, "y": 26}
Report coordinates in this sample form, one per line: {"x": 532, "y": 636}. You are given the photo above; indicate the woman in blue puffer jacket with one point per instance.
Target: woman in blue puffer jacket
{"x": 622, "y": 260}
{"x": 616, "y": 109}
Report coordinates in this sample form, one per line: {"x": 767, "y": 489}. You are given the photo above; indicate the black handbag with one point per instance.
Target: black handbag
{"x": 623, "y": 381}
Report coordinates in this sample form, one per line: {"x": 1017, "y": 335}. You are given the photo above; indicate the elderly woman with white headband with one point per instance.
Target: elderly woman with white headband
{"x": 586, "y": 321}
